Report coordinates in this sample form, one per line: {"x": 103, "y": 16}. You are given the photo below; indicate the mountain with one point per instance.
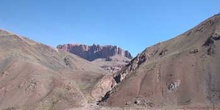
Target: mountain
{"x": 94, "y": 52}
{"x": 108, "y": 57}
{"x": 182, "y": 72}
{"x": 34, "y": 76}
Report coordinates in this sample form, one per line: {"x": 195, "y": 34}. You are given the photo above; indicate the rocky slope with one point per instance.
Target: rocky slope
{"x": 179, "y": 73}
{"x": 34, "y": 76}
{"x": 110, "y": 58}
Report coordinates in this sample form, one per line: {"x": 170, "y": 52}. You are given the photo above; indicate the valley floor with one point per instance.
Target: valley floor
{"x": 96, "y": 107}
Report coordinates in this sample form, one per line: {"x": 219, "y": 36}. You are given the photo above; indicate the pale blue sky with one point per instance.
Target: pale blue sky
{"x": 130, "y": 24}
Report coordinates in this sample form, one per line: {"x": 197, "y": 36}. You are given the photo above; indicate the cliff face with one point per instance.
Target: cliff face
{"x": 94, "y": 52}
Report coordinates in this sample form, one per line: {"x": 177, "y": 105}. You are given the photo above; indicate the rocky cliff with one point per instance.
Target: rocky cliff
{"x": 110, "y": 58}
{"x": 94, "y": 52}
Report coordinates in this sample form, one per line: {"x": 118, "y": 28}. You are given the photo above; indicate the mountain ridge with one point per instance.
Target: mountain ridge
{"x": 95, "y": 51}
{"x": 36, "y": 76}
{"x": 110, "y": 58}
{"x": 182, "y": 71}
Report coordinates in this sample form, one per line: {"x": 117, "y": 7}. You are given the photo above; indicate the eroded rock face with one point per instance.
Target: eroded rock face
{"x": 110, "y": 58}
{"x": 93, "y": 52}
{"x": 103, "y": 87}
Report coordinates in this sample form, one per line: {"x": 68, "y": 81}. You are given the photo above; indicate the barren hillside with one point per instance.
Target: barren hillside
{"x": 36, "y": 76}
{"x": 181, "y": 72}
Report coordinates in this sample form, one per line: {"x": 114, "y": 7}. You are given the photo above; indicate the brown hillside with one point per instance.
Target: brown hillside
{"x": 181, "y": 72}
{"x": 36, "y": 76}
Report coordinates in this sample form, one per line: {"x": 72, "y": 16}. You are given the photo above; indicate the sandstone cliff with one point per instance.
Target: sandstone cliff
{"x": 95, "y": 51}
{"x": 110, "y": 58}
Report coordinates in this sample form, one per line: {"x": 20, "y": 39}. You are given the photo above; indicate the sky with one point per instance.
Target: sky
{"x": 130, "y": 24}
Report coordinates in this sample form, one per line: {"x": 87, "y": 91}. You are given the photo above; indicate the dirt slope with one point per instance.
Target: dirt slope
{"x": 36, "y": 76}
{"x": 181, "y": 72}
{"x": 113, "y": 64}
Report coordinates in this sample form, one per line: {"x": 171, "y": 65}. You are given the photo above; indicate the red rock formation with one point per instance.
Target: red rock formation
{"x": 94, "y": 52}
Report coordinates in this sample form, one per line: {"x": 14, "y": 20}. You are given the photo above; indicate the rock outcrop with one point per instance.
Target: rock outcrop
{"x": 110, "y": 58}
{"x": 94, "y": 52}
